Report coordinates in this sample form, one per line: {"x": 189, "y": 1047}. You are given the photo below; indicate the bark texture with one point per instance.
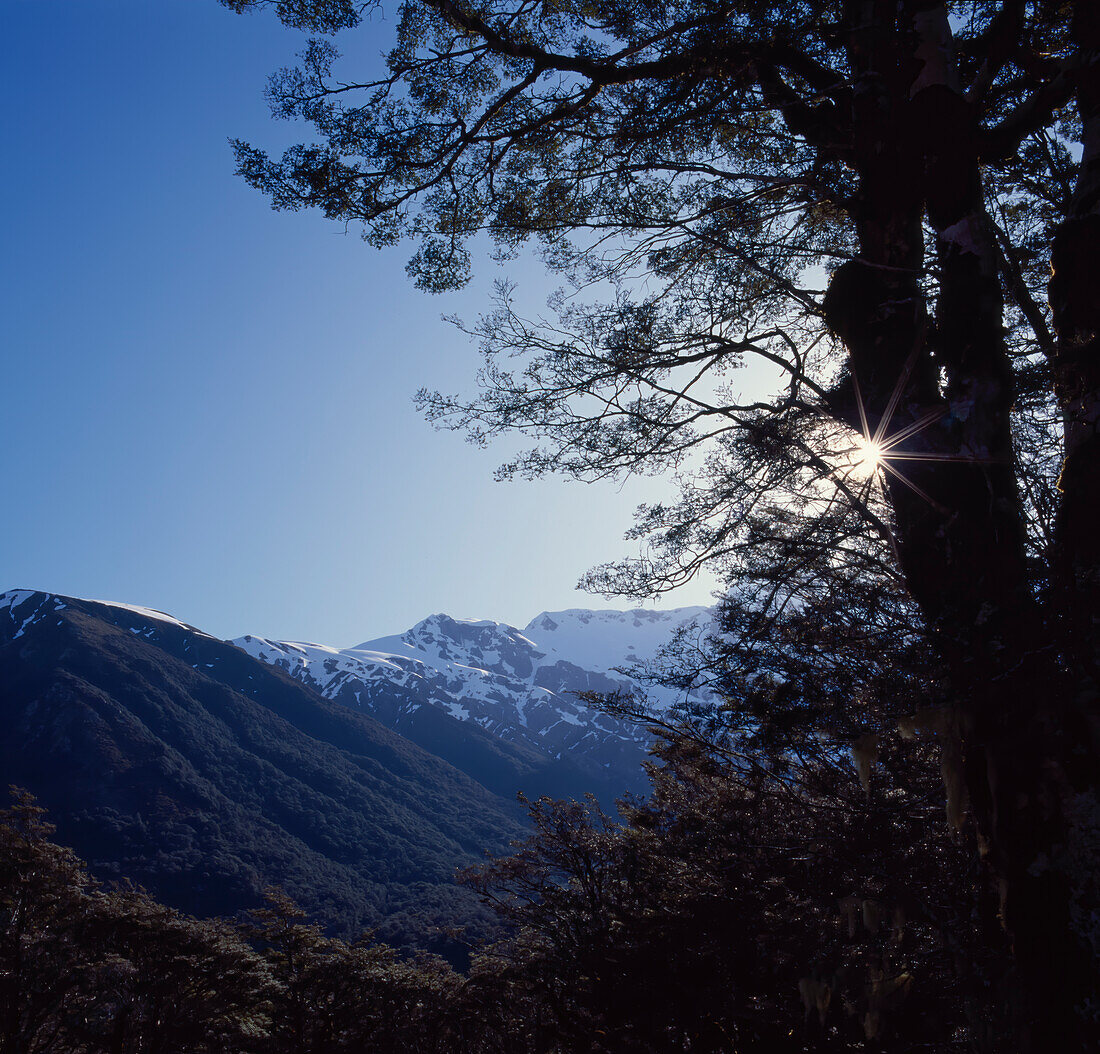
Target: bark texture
{"x": 1025, "y": 721}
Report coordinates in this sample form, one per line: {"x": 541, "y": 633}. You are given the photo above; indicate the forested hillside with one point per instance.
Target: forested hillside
{"x": 174, "y": 760}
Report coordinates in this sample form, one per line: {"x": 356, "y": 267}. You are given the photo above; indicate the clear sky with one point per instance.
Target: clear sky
{"x": 206, "y": 404}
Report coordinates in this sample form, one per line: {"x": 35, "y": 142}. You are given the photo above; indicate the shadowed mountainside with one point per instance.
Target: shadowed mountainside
{"x": 174, "y": 759}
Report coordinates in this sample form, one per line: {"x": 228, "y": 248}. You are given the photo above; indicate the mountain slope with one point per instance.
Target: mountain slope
{"x": 172, "y": 758}
{"x": 520, "y": 686}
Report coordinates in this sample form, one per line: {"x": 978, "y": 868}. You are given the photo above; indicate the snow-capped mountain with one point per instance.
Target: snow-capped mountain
{"x": 497, "y": 702}
{"x": 518, "y": 685}
{"x": 358, "y": 780}
{"x": 174, "y": 759}
{"x": 14, "y": 608}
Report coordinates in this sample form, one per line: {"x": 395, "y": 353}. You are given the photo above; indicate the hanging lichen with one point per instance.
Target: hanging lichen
{"x": 954, "y": 781}
{"x": 872, "y": 915}
{"x": 816, "y": 995}
{"x": 865, "y": 752}
{"x": 850, "y": 908}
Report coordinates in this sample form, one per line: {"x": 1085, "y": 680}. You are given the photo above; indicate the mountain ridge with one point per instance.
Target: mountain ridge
{"x": 497, "y": 677}
{"x": 174, "y": 759}
{"x": 358, "y": 779}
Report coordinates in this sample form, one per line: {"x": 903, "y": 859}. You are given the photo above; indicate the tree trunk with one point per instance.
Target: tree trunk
{"x": 959, "y": 517}
{"x": 1075, "y": 304}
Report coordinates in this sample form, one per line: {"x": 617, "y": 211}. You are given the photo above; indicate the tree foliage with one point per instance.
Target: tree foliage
{"x": 89, "y": 970}
{"x": 735, "y": 911}
{"x": 867, "y": 198}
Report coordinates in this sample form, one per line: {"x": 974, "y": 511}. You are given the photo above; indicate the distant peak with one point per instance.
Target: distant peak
{"x": 448, "y": 625}
{"x": 553, "y": 620}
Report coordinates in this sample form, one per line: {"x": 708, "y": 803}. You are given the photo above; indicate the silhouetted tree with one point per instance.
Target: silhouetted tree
{"x": 45, "y": 900}
{"x": 863, "y": 195}
{"x": 85, "y": 969}
{"x": 335, "y": 996}
{"x": 168, "y": 982}
{"x": 736, "y": 909}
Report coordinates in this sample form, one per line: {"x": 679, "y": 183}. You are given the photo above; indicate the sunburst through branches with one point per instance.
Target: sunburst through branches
{"x": 879, "y": 455}
{"x": 867, "y": 457}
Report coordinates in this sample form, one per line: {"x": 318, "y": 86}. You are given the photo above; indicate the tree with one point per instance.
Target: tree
{"x": 336, "y": 996}
{"x": 863, "y": 195}
{"x": 44, "y": 898}
{"x": 85, "y": 970}
{"x": 169, "y": 982}
{"x": 697, "y": 920}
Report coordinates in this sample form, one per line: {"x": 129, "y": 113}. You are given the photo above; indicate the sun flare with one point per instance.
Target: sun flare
{"x": 868, "y": 456}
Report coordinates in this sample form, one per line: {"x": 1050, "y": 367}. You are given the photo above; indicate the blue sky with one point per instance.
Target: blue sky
{"x": 207, "y": 405}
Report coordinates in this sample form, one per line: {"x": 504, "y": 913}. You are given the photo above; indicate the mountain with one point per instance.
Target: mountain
{"x": 358, "y": 779}
{"x": 446, "y": 678}
{"x": 177, "y": 760}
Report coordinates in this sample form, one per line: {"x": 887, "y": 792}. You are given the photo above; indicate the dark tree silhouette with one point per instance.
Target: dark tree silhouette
{"x": 699, "y": 918}
{"x": 864, "y": 195}
{"x": 336, "y": 996}
{"x": 84, "y": 970}
{"x": 44, "y": 897}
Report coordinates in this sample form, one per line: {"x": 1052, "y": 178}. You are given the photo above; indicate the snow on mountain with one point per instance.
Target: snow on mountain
{"x": 15, "y": 601}
{"x": 518, "y": 685}
{"x": 608, "y": 640}
{"x": 14, "y": 606}
{"x": 149, "y": 613}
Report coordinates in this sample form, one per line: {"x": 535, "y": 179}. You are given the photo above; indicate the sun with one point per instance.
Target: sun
{"x": 882, "y": 449}
{"x": 868, "y": 457}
